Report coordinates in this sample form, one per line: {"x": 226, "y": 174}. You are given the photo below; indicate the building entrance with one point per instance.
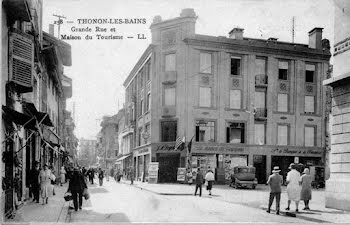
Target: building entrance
{"x": 168, "y": 164}
{"x": 259, "y": 162}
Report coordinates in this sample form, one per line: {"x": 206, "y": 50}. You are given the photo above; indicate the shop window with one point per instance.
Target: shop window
{"x": 235, "y": 99}
{"x": 205, "y": 131}
{"x": 204, "y": 96}
{"x": 259, "y": 136}
{"x": 235, "y": 133}
{"x": 169, "y": 131}
{"x": 309, "y": 136}
{"x": 169, "y": 94}
{"x": 283, "y": 70}
{"x": 282, "y": 135}
{"x": 309, "y": 104}
{"x": 282, "y": 102}
{"x": 309, "y": 73}
{"x": 235, "y": 66}
{"x": 205, "y": 63}
{"x": 170, "y": 62}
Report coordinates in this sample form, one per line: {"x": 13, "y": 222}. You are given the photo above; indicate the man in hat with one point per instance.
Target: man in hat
{"x": 293, "y": 186}
{"x": 275, "y": 181}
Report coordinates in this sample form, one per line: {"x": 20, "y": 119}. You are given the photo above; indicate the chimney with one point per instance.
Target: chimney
{"x": 157, "y": 19}
{"x": 315, "y": 38}
{"x": 236, "y": 33}
{"x": 189, "y": 12}
{"x": 52, "y": 29}
{"x": 272, "y": 39}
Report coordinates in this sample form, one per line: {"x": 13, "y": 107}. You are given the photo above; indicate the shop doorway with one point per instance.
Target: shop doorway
{"x": 259, "y": 162}
{"x": 283, "y": 162}
{"x": 168, "y": 164}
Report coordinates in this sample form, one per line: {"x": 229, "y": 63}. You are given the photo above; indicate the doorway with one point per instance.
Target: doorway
{"x": 259, "y": 162}
{"x": 168, "y": 164}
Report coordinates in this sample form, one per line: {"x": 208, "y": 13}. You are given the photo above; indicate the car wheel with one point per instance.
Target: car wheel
{"x": 253, "y": 187}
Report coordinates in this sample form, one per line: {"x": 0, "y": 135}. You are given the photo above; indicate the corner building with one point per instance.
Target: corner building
{"x": 244, "y": 101}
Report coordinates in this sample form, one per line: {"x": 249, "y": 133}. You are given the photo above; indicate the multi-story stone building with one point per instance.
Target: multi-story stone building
{"x": 244, "y": 101}
{"x": 87, "y": 152}
{"x": 337, "y": 187}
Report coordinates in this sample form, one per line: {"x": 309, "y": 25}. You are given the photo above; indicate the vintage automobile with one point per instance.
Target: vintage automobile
{"x": 243, "y": 176}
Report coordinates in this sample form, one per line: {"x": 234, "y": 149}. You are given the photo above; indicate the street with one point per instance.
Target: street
{"x": 121, "y": 202}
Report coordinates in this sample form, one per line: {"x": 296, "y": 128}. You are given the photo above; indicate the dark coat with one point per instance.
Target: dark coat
{"x": 77, "y": 182}
{"x": 199, "y": 178}
{"x": 35, "y": 178}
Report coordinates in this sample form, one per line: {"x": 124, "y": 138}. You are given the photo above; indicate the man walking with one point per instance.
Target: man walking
{"x": 275, "y": 181}
{"x": 100, "y": 176}
{"x": 199, "y": 182}
{"x": 35, "y": 185}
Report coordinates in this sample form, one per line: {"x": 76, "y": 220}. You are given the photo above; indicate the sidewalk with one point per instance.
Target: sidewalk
{"x": 257, "y": 199}
{"x": 53, "y": 212}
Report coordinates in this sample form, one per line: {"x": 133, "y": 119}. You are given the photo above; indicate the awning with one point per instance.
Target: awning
{"x": 19, "y": 118}
{"x": 123, "y": 157}
{"x": 42, "y": 117}
{"x": 17, "y": 10}
{"x": 51, "y": 137}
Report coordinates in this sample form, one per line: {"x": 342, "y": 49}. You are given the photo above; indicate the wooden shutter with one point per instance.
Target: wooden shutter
{"x": 21, "y": 60}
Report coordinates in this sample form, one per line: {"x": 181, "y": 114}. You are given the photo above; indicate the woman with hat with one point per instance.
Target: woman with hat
{"x": 275, "y": 181}
{"x": 293, "y": 186}
{"x": 305, "y": 194}
{"x": 45, "y": 184}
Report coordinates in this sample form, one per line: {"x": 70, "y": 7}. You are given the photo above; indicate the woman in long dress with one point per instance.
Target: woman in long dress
{"x": 45, "y": 184}
{"x": 293, "y": 186}
{"x": 305, "y": 194}
{"x": 63, "y": 175}
{"x": 209, "y": 177}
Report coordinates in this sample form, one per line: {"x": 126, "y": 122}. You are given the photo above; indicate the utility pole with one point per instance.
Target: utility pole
{"x": 59, "y": 22}
{"x": 293, "y": 29}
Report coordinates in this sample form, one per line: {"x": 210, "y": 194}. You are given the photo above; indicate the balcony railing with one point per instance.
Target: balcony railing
{"x": 260, "y": 113}
{"x": 261, "y": 80}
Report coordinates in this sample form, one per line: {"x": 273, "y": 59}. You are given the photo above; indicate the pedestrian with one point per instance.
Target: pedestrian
{"x": 76, "y": 186}
{"x": 305, "y": 194}
{"x": 91, "y": 175}
{"x": 63, "y": 175}
{"x": 107, "y": 174}
{"x": 199, "y": 182}
{"x": 131, "y": 175}
{"x": 189, "y": 177}
{"x": 293, "y": 186}
{"x": 209, "y": 178}
{"x": 35, "y": 184}
{"x": 275, "y": 181}
{"x": 53, "y": 179}
{"x": 100, "y": 176}
{"x": 45, "y": 184}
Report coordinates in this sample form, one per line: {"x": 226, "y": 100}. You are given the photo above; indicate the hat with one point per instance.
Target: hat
{"x": 276, "y": 169}
{"x": 291, "y": 166}
{"x": 306, "y": 171}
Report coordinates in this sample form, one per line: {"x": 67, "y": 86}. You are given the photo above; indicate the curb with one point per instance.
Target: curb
{"x": 158, "y": 193}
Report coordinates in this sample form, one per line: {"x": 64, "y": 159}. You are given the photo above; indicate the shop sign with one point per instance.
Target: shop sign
{"x": 153, "y": 171}
{"x": 181, "y": 173}
{"x": 167, "y": 147}
{"x": 143, "y": 151}
{"x": 221, "y": 157}
{"x": 297, "y": 151}
{"x": 217, "y": 148}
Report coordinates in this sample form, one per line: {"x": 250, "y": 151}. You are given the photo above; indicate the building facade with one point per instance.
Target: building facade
{"x": 242, "y": 101}
{"x": 337, "y": 187}
{"x": 87, "y": 152}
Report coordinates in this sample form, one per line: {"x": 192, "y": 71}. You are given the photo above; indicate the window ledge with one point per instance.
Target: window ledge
{"x": 283, "y": 113}
{"x": 310, "y": 114}
{"x": 201, "y": 107}
{"x": 232, "y": 109}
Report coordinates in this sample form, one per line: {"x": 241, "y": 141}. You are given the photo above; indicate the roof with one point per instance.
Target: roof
{"x": 259, "y": 45}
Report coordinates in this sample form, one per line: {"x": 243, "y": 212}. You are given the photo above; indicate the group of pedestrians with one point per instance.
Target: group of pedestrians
{"x": 208, "y": 180}
{"x": 298, "y": 188}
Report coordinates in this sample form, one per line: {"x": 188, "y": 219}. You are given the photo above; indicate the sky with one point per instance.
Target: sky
{"x": 99, "y": 67}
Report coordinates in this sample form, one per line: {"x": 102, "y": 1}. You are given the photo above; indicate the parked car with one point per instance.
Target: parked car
{"x": 243, "y": 176}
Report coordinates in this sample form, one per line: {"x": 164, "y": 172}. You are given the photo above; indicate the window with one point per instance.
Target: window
{"x": 309, "y": 136}
{"x": 141, "y": 107}
{"x": 283, "y": 70}
{"x": 282, "y": 135}
{"x": 235, "y": 133}
{"x": 140, "y": 137}
{"x": 309, "y": 104}
{"x": 235, "y": 66}
{"x": 260, "y": 65}
{"x": 205, "y": 63}
{"x": 204, "y": 97}
{"x": 282, "y": 103}
{"x": 205, "y": 131}
{"x": 260, "y": 100}
{"x": 170, "y": 62}
{"x": 169, "y": 99}
{"x": 259, "y": 133}
{"x": 235, "y": 99}
{"x": 309, "y": 73}
{"x": 148, "y": 103}
{"x": 141, "y": 79}
{"x": 148, "y": 71}
{"x": 169, "y": 131}
{"x": 148, "y": 131}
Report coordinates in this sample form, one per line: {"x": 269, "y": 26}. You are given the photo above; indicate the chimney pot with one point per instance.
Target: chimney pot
{"x": 157, "y": 19}
{"x": 272, "y": 39}
{"x": 315, "y": 38}
{"x": 236, "y": 33}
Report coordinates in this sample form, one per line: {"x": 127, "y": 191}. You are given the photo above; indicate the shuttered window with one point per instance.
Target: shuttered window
{"x": 21, "y": 60}
{"x": 309, "y": 136}
{"x": 235, "y": 99}
{"x": 282, "y": 103}
{"x": 259, "y": 133}
{"x": 205, "y": 63}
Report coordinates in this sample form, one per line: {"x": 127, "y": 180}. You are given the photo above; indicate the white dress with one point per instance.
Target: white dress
{"x": 293, "y": 187}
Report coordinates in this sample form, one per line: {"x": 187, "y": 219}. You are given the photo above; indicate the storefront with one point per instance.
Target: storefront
{"x": 142, "y": 156}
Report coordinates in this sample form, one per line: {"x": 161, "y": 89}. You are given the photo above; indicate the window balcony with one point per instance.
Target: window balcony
{"x": 169, "y": 77}
{"x": 261, "y": 80}
{"x": 260, "y": 114}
